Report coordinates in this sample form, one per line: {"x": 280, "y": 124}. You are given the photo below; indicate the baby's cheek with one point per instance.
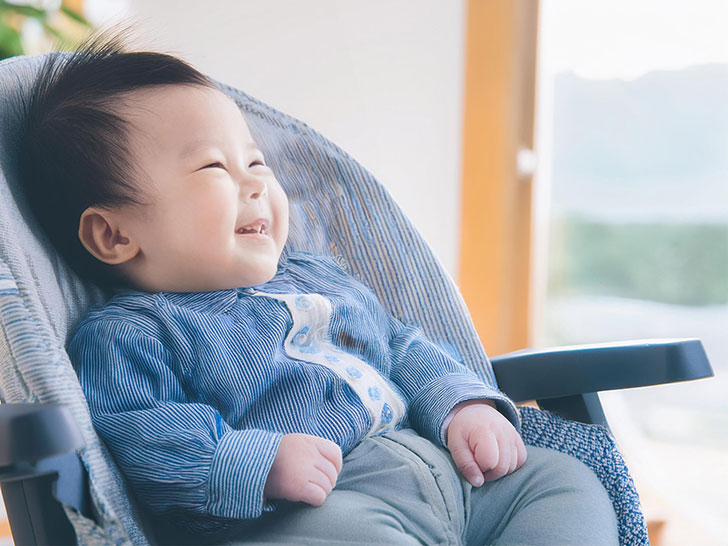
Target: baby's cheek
{"x": 214, "y": 221}
{"x": 280, "y": 208}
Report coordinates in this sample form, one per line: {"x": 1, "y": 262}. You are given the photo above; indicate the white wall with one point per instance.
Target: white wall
{"x": 381, "y": 78}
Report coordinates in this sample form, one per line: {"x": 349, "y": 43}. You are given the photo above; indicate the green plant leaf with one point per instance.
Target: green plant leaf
{"x": 28, "y": 11}
{"x": 75, "y": 16}
{"x": 10, "y": 44}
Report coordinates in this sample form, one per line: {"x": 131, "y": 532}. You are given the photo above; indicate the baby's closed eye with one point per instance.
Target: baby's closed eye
{"x": 214, "y": 165}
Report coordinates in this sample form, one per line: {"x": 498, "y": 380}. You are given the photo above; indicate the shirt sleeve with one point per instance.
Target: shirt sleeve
{"x": 434, "y": 383}
{"x": 176, "y": 453}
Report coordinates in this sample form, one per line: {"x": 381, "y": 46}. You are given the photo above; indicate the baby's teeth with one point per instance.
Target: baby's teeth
{"x": 258, "y": 228}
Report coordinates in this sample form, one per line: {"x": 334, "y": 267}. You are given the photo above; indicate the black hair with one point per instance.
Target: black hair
{"x": 74, "y": 151}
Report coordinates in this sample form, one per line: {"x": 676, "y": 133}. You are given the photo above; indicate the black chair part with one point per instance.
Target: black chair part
{"x": 34, "y": 441}
{"x": 567, "y": 371}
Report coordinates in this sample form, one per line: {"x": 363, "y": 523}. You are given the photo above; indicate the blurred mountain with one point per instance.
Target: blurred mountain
{"x": 639, "y": 150}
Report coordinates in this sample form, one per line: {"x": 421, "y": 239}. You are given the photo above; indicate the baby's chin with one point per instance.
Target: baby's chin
{"x": 213, "y": 285}
{"x": 252, "y": 276}
{"x": 261, "y": 275}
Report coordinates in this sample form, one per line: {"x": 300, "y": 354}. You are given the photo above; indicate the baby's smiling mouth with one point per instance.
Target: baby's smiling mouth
{"x": 259, "y": 227}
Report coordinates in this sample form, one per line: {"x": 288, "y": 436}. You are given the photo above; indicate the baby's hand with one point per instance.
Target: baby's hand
{"x": 482, "y": 441}
{"x": 305, "y": 469}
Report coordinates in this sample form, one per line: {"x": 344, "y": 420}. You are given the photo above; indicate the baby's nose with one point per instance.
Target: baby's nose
{"x": 253, "y": 188}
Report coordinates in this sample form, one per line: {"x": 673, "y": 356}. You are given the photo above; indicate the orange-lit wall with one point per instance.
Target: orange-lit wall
{"x": 494, "y": 262}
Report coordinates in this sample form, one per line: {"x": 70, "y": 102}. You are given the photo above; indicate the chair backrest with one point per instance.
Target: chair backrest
{"x": 337, "y": 208}
{"x": 40, "y": 301}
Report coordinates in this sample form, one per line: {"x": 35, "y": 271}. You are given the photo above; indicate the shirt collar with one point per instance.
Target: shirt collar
{"x": 217, "y": 301}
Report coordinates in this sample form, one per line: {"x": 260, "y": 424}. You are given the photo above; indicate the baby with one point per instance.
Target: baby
{"x": 228, "y": 376}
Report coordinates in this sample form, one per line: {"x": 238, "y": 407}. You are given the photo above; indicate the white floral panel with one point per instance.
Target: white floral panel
{"x": 308, "y": 340}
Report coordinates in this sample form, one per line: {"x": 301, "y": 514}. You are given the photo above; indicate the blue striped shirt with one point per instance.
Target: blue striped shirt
{"x": 192, "y": 392}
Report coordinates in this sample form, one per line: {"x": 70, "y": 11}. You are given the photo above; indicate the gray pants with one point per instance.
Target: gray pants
{"x": 402, "y": 489}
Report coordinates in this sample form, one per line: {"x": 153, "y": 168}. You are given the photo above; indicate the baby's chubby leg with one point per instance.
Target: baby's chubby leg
{"x": 553, "y": 499}
{"x": 347, "y": 517}
{"x": 401, "y": 489}
{"x": 385, "y": 494}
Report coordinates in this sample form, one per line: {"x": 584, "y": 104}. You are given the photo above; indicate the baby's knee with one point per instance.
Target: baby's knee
{"x": 552, "y": 469}
{"x": 572, "y": 486}
{"x": 555, "y": 499}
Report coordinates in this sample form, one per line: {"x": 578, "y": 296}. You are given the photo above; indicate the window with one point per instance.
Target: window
{"x": 632, "y": 226}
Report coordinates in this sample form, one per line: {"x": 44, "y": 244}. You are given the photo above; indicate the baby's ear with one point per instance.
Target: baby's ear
{"x": 101, "y": 234}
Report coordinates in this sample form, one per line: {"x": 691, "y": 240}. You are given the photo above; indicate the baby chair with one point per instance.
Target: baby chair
{"x": 338, "y": 209}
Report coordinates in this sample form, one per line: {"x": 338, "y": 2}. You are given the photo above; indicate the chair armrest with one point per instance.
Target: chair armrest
{"x": 35, "y": 441}
{"x": 30, "y": 432}
{"x": 565, "y": 371}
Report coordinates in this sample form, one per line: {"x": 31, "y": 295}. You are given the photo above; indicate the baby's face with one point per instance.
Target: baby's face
{"x": 216, "y": 217}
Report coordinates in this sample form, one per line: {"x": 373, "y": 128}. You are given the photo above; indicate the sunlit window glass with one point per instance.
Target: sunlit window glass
{"x": 633, "y": 182}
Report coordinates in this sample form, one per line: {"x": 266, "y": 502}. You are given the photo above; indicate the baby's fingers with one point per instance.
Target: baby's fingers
{"x": 314, "y": 493}
{"x": 330, "y": 451}
{"x": 501, "y": 466}
{"x": 463, "y": 458}
{"x": 514, "y": 458}
{"x": 522, "y": 453}
{"x": 328, "y": 470}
